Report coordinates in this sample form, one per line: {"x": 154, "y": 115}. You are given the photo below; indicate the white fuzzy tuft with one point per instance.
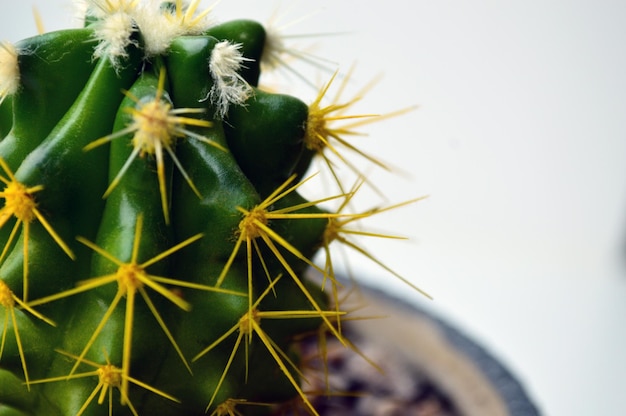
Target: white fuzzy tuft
{"x": 159, "y": 24}
{"x": 157, "y": 28}
{"x": 9, "y": 70}
{"x": 229, "y": 87}
{"x": 114, "y": 35}
{"x": 114, "y": 27}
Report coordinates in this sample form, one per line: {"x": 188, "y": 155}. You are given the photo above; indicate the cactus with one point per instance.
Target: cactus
{"x": 154, "y": 236}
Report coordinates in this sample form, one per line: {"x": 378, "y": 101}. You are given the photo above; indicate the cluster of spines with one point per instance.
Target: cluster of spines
{"x": 254, "y": 226}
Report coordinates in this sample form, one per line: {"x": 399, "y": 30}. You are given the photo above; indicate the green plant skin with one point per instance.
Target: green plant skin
{"x": 219, "y": 179}
{"x": 215, "y": 314}
{"x": 135, "y": 196}
{"x": 53, "y": 69}
{"x": 187, "y": 70}
{"x": 37, "y": 336}
{"x": 63, "y": 59}
{"x": 60, "y": 165}
{"x": 51, "y": 165}
{"x": 274, "y": 154}
{"x": 194, "y": 348}
{"x": 6, "y": 116}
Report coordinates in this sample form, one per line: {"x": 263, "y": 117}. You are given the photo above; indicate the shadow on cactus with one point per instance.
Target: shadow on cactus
{"x": 155, "y": 239}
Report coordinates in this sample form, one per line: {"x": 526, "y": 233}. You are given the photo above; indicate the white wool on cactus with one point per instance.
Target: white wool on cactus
{"x": 159, "y": 25}
{"x": 229, "y": 87}
{"x": 9, "y": 70}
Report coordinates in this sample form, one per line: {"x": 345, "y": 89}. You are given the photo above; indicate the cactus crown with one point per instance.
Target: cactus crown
{"x": 155, "y": 238}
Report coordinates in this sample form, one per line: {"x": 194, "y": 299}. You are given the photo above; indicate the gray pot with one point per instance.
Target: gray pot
{"x": 415, "y": 349}
{"x": 475, "y": 382}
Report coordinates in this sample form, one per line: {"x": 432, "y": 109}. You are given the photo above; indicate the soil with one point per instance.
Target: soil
{"x": 368, "y": 380}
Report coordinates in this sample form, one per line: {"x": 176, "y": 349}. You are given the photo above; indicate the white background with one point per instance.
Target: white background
{"x": 519, "y": 141}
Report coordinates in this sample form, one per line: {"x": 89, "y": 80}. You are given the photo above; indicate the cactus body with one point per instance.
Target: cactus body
{"x": 154, "y": 237}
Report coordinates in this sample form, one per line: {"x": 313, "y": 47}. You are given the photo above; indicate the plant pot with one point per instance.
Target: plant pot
{"x": 426, "y": 367}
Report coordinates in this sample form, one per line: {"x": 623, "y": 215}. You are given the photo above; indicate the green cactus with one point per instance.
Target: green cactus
{"x": 154, "y": 237}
